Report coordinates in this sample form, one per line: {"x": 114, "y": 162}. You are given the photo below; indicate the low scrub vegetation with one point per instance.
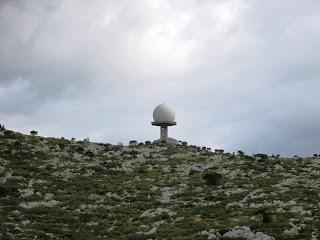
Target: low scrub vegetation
{"x": 55, "y": 188}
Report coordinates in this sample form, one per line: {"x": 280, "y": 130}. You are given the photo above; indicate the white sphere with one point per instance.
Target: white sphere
{"x": 163, "y": 113}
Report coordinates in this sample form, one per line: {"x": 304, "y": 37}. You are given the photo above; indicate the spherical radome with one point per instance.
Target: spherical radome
{"x": 163, "y": 113}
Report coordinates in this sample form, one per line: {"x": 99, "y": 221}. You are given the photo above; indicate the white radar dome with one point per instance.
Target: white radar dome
{"x": 163, "y": 113}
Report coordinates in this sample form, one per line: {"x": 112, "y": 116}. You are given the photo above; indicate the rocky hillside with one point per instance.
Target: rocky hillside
{"x": 54, "y": 188}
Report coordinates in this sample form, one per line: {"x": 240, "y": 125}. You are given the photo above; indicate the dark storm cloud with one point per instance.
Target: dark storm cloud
{"x": 241, "y": 75}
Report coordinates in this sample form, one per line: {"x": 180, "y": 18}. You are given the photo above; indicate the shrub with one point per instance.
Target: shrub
{"x": 34, "y": 133}
{"x": 117, "y": 147}
{"x": 241, "y": 153}
{"x": 134, "y": 153}
{"x": 184, "y": 143}
{"x": 212, "y": 178}
{"x": 8, "y": 133}
{"x": 89, "y": 153}
{"x": 80, "y": 149}
{"x": 62, "y": 146}
{"x": 249, "y": 157}
{"x": 219, "y": 151}
{"x": 261, "y": 155}
{"x": 234, "y": 238}
{"x": 147, "y": 143}
{"x": 17, "y": 145}
{"x": 133, "y": 143}
{"x": 7, "y": 190}
{"x": 192, "y": 172}
{"x": 266, "y": 218}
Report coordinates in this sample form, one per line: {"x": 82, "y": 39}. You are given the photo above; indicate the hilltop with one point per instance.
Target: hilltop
{"x": 54, "y": 188}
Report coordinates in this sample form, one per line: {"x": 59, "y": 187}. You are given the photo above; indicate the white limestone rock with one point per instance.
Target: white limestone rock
{"x": 245, "y": 232}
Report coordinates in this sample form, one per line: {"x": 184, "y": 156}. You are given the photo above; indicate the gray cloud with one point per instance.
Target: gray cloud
{"x": 240, "y": 75}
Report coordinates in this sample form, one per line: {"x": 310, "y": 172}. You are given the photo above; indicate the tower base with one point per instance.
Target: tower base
{"x": 167, "y": 140}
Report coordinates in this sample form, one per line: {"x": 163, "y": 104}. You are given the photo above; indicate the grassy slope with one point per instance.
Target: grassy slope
{"x": 54, "y": 188}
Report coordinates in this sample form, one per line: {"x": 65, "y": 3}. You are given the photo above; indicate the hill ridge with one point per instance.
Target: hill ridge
{"x": 54, "y": 188}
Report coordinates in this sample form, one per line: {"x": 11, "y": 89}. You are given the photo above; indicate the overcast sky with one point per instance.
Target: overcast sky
{"x": 239, "y": 74}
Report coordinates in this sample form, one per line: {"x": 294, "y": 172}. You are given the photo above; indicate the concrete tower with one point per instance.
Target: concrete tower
{"x": 164, "y": 117}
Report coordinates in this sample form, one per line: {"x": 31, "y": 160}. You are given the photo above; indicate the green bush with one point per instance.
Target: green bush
{"x": 89, "y": 153}
{"x": 34, "y": 133}
{"x": 261, "y": 155}
{"x": 184, "y": 143}
{"x": 8, "y": 190}
{"x": 266, "y": 217}
{"x": 80, "y": 149}
{"x": 212, "y": 178}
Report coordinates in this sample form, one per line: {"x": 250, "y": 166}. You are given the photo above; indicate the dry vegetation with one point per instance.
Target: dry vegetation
{"x": 60, "y": 189}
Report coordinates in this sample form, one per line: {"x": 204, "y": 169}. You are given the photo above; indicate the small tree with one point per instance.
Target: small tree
{"x": 133, "y": 143}
{"x": 147, "y": 143}
{"x": 219, "y": 151}
{"x": 184, "y": 143}
{"x": 241, "y": 153}
{"x": 34, "y": 133}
